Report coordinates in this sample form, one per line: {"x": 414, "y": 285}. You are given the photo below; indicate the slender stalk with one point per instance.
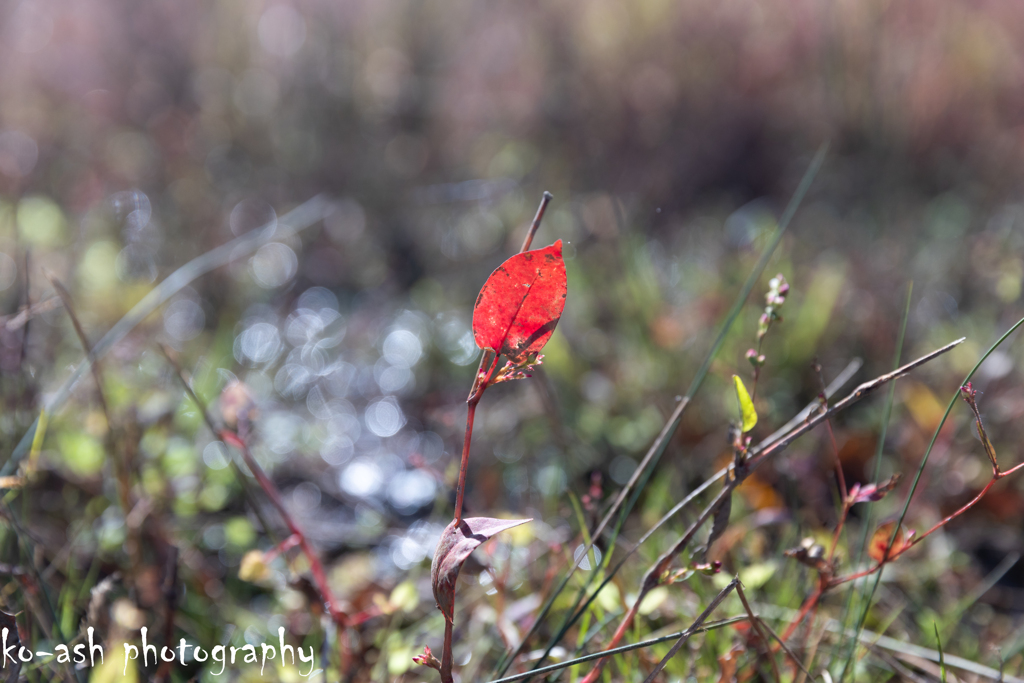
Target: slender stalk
{"x": 460, "y": 490}
{"x": 120, "y": 463}
{"x": 316, "y": 568}
{"x": 756, "y": 624}
{"x": 483, "y": 379}
{"x": 446, "y": 655}
{"x": 544, "y": 201}
{"x": 619, "y": 650}
{"x": 689, "y": 632}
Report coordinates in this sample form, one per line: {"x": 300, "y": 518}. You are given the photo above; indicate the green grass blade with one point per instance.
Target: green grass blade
{"x": 942, "y": 658}
{"x": 876, "y": 475}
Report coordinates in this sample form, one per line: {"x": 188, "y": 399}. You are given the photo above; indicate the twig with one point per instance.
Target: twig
{"x": 29, "y": 311}
{"x": 690, "y": 631}
{"x": 544, "y": 201}
{"x": 481, "y": 380}
{"x": 480, "y": 383}
{"x": 787, "y": 650}
{"x": 619, "y": 650}
{"x": 756, "y": 624}
{"x": 236, "y": 439}
{"x": 69, "y": 306}
{"x": 122, "y": 467}
{"x": 758, "y": 455}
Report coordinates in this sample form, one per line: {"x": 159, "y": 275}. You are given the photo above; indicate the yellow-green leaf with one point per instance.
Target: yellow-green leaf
{"x": 747, "y": 411}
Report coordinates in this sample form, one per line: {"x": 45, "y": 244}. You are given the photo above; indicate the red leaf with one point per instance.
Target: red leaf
{"x": 453, "y": 548}
{"x": 521, "y": 302}
{"x": 879, "y": 549}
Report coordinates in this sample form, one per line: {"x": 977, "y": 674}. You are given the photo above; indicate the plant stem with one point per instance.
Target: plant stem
{"x": 544, "y": 201}
{"x": 316, "y": 567}
{"x": 690, "y": 631}
{"x": 755, "y": 623}
{"x": 460, "y": 491}
{"x": 619, "y": 650}
{"x": 483, "y": 378}
{"x": 920, "y": 471}
{"x": 446, "y": 654}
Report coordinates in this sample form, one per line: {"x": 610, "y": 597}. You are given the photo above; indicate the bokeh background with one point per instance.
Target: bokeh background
{"x": 137, "y": 136}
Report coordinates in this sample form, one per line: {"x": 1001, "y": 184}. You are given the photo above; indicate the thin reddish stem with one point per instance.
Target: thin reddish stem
{"x": 316, "y": 567}
{"x": 809, "y": 603}
{"x": 1010, "y": 471}
{"x": 893, "y": 556}
{"x": 460, "y": 491}
{"x": 619, "y": 633}
{"x": 483, "y": 379}
{"x": 282, "y": 547}
{"x": 949, "y": 519}
{"x": 839, "y": 529}
{"x": 446, "y": 654}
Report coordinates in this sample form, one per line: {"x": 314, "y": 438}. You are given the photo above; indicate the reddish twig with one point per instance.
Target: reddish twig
{"x": 969, "y": 394}
{"x": 316, "y": 567}
{"x": 757, "y": 456}
{"x": 480, "y": 384}
{"x": 297, "y": 537}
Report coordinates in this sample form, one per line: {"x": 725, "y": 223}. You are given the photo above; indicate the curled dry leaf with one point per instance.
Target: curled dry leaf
{"x": 520, "y": 304}
{"x": 455, "y": 545}
{"x": 873, "y": 492}
{"x": 879, "y": 544}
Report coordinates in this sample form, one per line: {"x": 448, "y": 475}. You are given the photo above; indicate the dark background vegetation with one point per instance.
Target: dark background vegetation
{"x": 135, "y": 136}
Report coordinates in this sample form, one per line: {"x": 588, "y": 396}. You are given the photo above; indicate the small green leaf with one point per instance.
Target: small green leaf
{"x": 746, "y": 405}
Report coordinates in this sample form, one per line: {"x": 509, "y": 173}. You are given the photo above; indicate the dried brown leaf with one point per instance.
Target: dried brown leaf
{"x": 454, "y": 547}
